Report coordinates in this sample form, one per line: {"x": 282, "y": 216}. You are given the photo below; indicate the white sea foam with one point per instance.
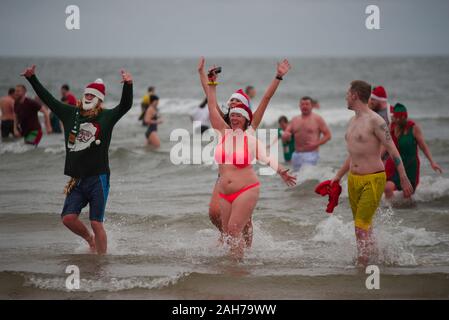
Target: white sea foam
{"x": 395, "y": 242}
{"x": 105, "y": 284}
{"x": 15, "y": 147}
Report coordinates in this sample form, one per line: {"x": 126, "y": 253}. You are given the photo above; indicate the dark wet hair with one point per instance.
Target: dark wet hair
{"x": 282, "y": 119}
{"x": 150, "y": 89}
{"x": 362, "y": 89}
{"x": 248, "y": 89}
{"x": 22, "y": 86}
{"x": 307, "y": 98}
{"x": 65, "y": 87}
{"x": 154, "y": 97}
{"x": 11, "y": 91}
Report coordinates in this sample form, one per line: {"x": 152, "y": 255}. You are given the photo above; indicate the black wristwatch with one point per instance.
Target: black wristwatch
{"x": 279, "y": 77}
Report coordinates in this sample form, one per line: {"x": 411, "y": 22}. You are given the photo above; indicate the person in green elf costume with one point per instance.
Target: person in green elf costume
{"x": 407, "y": 136}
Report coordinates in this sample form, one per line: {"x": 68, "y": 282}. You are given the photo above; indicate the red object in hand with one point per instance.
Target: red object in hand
{"x": 332, "y": 190}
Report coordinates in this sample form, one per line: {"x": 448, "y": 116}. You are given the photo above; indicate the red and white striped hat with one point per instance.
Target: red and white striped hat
{"x": 242, "y": 97}
{"x": 243, "y": 110}
{"x": 379, "y": 93}
{"x": 96, "y": 88}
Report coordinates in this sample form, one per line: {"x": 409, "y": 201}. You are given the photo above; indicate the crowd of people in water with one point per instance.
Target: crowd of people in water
{"x": 382, "y": 143}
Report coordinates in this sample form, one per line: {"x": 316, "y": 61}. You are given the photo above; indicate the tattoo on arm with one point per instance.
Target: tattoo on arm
{"x": 397, "y": 161}
{"x": 384, "y": 128}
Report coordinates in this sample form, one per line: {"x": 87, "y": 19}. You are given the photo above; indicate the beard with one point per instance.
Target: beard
{"x": 89, "y": 104}
{"x": 93, "y": 112}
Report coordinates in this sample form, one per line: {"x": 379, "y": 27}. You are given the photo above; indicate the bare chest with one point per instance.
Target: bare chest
{"x": 359, "y": 133}
{"x": 303, "y": 127}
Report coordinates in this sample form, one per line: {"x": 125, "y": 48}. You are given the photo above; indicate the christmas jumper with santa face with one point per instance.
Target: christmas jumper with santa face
{"x": 88, "y": 155}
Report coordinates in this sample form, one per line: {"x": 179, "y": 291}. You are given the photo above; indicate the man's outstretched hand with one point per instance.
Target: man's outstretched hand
{"x": 126, "y": 77}
{"x": 29, "y": 72}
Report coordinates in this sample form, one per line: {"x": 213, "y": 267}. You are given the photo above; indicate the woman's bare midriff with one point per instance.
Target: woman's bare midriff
{"x": 232, "y": 179}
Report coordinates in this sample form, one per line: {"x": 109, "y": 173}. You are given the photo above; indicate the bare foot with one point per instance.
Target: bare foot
{"x": 91, "y": 242}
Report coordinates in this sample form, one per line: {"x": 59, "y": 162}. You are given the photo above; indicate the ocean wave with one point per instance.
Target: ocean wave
{"x": 55, "y": 150}
{"x": 110, "y": 284}
{"x": 395, "y": 242}
{"x": 333, "y": 116}
{"x": 432, "y": 188}
{"x": 19, "y": 147}
{"x": 16, "y": 147}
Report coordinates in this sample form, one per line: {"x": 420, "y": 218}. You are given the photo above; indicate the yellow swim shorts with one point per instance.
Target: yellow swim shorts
{"x": 365, "y": 192}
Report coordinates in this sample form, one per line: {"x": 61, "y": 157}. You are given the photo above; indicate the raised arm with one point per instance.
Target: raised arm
{"x": 204, "y": 83}
{"x": 383, "y": 134}
{"x": 261, "y": 155}
{"x": 419, "y": 136}
{"x": 126, "y": 100}
{"x": 282, "y": 69}
{"x": 62, "y": 110}
{"x": 216, "y": 120}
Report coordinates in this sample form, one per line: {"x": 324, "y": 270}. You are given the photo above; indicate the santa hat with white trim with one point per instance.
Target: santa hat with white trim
{"x": 379, "y": 94}
{"x": 242, "y": 97}
{"x": 96, "y": 88}
{"x": 243, "y": 110}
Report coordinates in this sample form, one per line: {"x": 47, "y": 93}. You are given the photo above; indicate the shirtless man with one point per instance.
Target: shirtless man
{"x": 7, "y": 109}
{"x": 26, "y": 111}
{"x": 310, "y": 132}
{"x": 367, "y": 132}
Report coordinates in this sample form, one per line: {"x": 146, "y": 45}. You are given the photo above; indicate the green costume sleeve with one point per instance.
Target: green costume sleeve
{"x": 62, "y": 110}
{"x": 125, "y": 104}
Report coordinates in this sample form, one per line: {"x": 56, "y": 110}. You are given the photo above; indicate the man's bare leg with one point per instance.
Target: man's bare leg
{"x": 365, "y": 246}
{"x": 101, "y": 239}
{"x": 74, "y": 224}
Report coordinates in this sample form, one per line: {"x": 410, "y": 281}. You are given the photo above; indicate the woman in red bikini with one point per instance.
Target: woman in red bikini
{"x": 238, "y": 185}
{"x": 239, "y": 96}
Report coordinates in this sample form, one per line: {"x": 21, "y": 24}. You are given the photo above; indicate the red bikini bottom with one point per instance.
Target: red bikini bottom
{"x": 232, "y": 196}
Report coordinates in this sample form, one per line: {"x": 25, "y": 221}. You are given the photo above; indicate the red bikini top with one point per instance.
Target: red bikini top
{"x": 221, "y": 157}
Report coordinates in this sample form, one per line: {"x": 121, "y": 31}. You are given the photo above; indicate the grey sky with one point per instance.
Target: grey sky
{"x": 223, "y": 28}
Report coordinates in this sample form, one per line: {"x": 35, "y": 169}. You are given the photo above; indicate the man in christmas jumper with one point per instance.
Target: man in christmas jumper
{"x": 87, "y": 132}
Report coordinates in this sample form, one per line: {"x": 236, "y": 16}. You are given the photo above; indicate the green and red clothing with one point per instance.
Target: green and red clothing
{"x": 407, "y": 146}
{"x": 88, "y": 155}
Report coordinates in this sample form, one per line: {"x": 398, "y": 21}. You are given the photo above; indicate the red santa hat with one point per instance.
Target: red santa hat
{"x": 96, "y": 88}
{"x": 243, "y": 110}
{"x": 379, "y": 93}
{"x": 242, "y": 97}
